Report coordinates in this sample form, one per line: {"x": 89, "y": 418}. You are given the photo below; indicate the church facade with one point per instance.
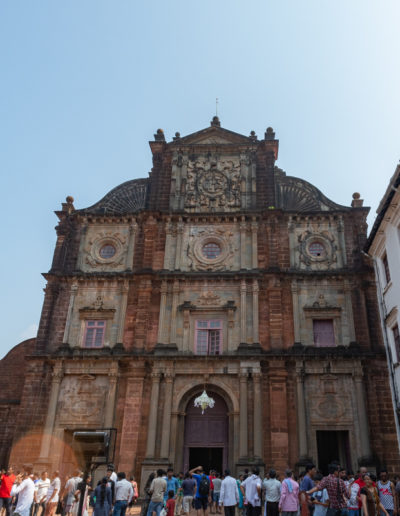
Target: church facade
{"x": 218, "y": 272}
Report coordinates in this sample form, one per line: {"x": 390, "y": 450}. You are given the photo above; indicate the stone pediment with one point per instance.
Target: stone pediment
{"x": 214, "y": 136}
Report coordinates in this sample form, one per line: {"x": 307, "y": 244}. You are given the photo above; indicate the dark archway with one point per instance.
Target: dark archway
{"x": 206, "y": 435}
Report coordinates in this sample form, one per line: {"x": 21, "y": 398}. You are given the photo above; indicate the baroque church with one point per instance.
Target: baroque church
{"x": 221, "y": 273}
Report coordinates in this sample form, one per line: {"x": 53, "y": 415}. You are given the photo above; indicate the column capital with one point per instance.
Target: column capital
{"x": 164, "y": 287}
{"x": 243, "y": 286}
{"x": 169, "y": 377}
{"x": 255, "y": 285}
{"x": 243, "y": 376}
{"x": 155, "y": 376}
{"x": 257, "y": 376}
{"x": 58, "y": 373}
{"x": 133, "y": 227}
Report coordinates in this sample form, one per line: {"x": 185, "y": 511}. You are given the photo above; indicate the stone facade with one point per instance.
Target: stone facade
{"x": 218, "y": 238}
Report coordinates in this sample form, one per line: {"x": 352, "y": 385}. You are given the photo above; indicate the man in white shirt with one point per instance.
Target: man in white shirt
{"x": 229, "y": 495}
{"x": 53, "y": 495}
{"x": 251, "y": 489}
{"x": 123, "y": 494}
{"x": 272, "y": 490}
{"x": 41, "y": 488}
{"x": 70, "y": 488}
{"x": 24, "y": 488}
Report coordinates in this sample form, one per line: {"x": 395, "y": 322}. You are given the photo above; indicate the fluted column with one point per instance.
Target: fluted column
{"x": 152, "y": 426}
{"x": 163, "y": 304}
{"x": 362, "y": 417}
{"x": 122, "y": 311}
{"x": 243, "y": 228}
{"x": 174, "y": 310}
{"x": 301, "y": 415}
{"x": 165, "y": 438}
{"x": 243, "y": 423}
{"x": 111, "y": 395}
{"x": 131, "y": 245}
{"x": 256, "y": 337}
{"x": 243, "y": 310}
{"x": 257, "y": 415}
{"x": 57, "y": 376}
{"x": 74, "y": 290}
{"x": 178, "y": 245}
{"x": 254, "y": 253}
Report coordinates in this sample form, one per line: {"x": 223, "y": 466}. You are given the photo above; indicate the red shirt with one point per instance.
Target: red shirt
{"x": 7, "y": 482}
{"x": 170, "y": 507}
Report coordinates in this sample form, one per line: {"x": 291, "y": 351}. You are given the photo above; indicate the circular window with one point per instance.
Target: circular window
{"x": 107, "y": 251}
{"x": 211, "y": 250}
{"x": 316, "y": 249}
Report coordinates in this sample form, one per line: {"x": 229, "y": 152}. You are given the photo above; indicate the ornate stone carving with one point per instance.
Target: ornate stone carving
{"x": 221, "y": 237}
{"x": 209, "y": 298}
{"x": 103, "y": 238}
{"x": 326, "y": 258}
{"x": 330, "y": 408}
{"x": 213, "y": 185}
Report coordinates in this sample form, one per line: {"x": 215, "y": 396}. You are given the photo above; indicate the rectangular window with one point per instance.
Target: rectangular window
{"x": 386, "y": 268}
{"x": 208, "y": 337}
{"x": 396, "y": 339}
{"x": 94, "y": 334}
{"x": 324, "y": 333}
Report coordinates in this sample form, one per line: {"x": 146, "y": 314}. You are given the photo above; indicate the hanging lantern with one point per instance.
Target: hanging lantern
{"x": 204, "y": 401}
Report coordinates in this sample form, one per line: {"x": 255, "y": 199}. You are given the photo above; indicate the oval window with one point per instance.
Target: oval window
{"x": 316, "y": 249}
{"x": 211, "y": 250}
{"x": 107, "y": 251}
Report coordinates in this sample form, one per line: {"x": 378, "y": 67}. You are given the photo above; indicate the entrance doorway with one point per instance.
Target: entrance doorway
{"x": 333, "y": 446}
{"x": 209, "y": 458}
{"x": 206, "y": 436}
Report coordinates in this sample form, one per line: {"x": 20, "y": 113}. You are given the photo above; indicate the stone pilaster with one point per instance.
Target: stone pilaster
{"x": 74, "y": 290}
{"x": 122, "y": 311}
{"x": 257, "y": 425}
{"x": 131, "y": 246}
{"x": 111, "y": 396}
{"x": 255, "y": 289}
{"x": 243, "y": 229}
{"x": 362, "y": 418}
{"x": 163, "y": 304}
{"x": 174, "y": 310}
{"x": 243, "y": 311}
{"x": 165, "y": 437}
{"x": 152, "y": 426}
{"x": 178, "y": 254}
{"x": 301, "y": 415}
{"x": 254, "y": 250}
{"x": 243, "y": 423}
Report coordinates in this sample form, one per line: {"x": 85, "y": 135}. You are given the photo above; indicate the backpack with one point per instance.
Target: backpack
{"x": 204, "y": 486}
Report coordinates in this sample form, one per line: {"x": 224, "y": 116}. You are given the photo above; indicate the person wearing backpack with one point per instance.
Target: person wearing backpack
{"x": 202, "y": 491}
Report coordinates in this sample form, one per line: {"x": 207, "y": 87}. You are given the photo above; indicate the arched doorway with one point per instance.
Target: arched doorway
{"x": 206, "y": 435}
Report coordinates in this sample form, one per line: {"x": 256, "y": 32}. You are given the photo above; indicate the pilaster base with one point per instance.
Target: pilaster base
{"x": 248, "y": 463}
{"x": 151, "y": 466}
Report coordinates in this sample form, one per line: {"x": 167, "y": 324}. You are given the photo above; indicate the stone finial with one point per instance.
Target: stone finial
{"x": 159, "y": 136}
{"x": 357, "y": 202}
{"x": 269, "y": 134}
{"x": 177, "y": 136}
{"x": 215, "y": 122}
{"x": 253, "y": 136}
{"x": 69, "y": 205}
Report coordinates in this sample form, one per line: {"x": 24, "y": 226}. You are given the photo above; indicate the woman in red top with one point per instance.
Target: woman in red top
{"x": 7, "y": 481}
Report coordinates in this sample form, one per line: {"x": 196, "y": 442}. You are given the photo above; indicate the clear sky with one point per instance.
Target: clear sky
{"x": 85, "y": 84}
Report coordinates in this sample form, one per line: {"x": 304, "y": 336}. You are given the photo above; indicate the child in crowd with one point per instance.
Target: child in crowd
{"x": 170, "y": 505}
{"x": 320, "y": 499}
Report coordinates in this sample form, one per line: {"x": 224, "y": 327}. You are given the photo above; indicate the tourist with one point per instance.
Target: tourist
{"x": 188, "y": 491}
{"x": 272, "y": 493}
{"x": 217, "y": 482}
{"x": 102, "y": 495}
{"x": 111, "y": 480}
{"x": 371, "y": 504}
{"x": 69, "y": 491}
{"x": 306, "y": 485}
{"x": 202, "y": 491}
{"x": 320, "y": 498}
{"x": 157, "y": 489}
{"x": 387, "y": 493}
{"x": 336, "y": 490}
{"x": 84, "y": 487}
{"x": 179, "y": 495}
{"x": 147, "y": 495}
{"x": 170, "y": 505}
{"x": 24, "y": 488}
{"x": 135, "y": 494}
{"x": 229, "y": 494}
{"x": 123, "y": 494}
{"x": 53, "y": 494}
{"x": 40, "y": 494}
{"x": 172, "y": 483}
{"x": 289, "y": 500}
{"x": 7, "y": 480}
{"x": 241, "y": 497}
{"x": 251, "y": 488}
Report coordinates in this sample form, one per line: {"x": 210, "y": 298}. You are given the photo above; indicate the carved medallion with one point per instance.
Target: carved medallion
{"x": 212, "y": 183}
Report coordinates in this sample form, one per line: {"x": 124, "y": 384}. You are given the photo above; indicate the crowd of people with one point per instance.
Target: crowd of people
{"x": 30, "y": 494}
{"x": 340, "y": 493}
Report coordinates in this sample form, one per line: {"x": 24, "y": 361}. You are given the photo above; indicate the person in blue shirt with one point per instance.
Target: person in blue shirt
{"x": 200, "y": 499}
{"x": 172, "y": 483}
{"x": 306, "y": 485}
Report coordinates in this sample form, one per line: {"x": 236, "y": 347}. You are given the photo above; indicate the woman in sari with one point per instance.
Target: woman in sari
{"x": 370, "y": 498}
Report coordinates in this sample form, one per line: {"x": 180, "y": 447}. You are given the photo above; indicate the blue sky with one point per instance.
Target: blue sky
{"x": 85, "y": 84}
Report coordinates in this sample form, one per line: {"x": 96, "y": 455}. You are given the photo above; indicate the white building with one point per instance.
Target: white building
{"x": 383, "y": 245}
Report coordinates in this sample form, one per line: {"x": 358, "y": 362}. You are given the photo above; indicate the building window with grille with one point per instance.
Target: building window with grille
{"x": 94, "y": 334}
{"x": 396, "y": 340}
{"x": 324, "y": 333}
{"x": 208, "y": 339}
{"x": 386, "y": 269}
